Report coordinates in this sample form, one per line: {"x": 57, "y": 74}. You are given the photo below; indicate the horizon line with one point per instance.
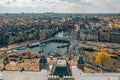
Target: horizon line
{"x": 57, "y": 13}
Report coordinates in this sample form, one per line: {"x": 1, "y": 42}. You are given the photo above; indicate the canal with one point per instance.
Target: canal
{"x": 49, "y": 46}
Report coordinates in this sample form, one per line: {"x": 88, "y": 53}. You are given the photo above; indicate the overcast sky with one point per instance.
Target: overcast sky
{"x": 60, "y": 6}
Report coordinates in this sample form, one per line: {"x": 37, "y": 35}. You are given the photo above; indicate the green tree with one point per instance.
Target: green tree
{"x": 17, "y": 39}
{"x": 31, "y": 36}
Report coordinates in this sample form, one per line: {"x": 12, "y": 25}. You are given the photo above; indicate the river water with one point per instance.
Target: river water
{"x": 49, "y": 47}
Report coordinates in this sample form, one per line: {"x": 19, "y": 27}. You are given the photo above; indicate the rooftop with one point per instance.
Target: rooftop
{"x": 61, "y": 63}
{"x": 43, "y": 59}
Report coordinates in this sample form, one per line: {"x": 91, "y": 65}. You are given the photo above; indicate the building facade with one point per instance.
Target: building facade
{"x": 115, "y": 37}
{"x": 104, "y": 36}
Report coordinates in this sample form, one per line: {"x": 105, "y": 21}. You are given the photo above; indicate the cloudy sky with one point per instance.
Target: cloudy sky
{"x": 60, "y": 6}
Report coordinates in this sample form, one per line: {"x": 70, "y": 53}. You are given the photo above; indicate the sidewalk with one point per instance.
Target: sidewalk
{"x": 79, "y": 75}
{"x": 17, "y": 75}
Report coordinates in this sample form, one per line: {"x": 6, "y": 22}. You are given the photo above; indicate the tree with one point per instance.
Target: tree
{"x": 17, "y": 38}
{"x": 31, "y": 36}
{"x": 102, "y": 58}
{"x": 29, "y": 54}
{"x": 116, "y": 26}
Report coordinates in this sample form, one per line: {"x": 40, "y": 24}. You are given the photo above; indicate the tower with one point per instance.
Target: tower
{"x": 80, "y": 63}
{"x": 42, "y": 62}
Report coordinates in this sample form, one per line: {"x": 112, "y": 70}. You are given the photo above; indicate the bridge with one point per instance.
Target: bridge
{"x": 55, "y": 39}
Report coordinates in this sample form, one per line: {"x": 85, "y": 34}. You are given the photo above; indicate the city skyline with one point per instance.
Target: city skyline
{"x": 60, "y": 6}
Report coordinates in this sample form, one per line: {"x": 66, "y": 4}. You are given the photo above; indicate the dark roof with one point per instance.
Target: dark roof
{"x": 52, "y": 54}
{"x": 80, "y": 60}
{"x": 62, "y": 71}
{"x": 94, "y": 32}
{"x": 43, "y": 59}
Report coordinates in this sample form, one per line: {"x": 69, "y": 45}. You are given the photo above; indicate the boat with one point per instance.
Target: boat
{"x": 21, "y": 48}
{"x": 43, "y": 44}
{"x": 14, "y": 51}
{"x": 52, "y": 54}
{"x": 88, "y": 49}
{"x": 62, "y": 46}
{"x": 33, "y": 45}
{"x": 9, "y": 51}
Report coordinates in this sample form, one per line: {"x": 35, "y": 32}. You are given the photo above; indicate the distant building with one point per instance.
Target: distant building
{"x": 3, "y": 38}
{"x": 80, "y": 63}
{"x": 61, "y": 71}
{"x": 104, "y": 36}
{"x": 77, "y": 27}
{"x": 115, "y": 37}
{"x": 83, "y": 34}
{"x": 82, "y": 26}
{"x": 42, "y": 34}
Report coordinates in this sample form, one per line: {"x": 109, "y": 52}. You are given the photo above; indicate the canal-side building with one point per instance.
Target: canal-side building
{"x": 18, "y": 63}
{"x": 61, "y": 71}
{"x": 93, "y": 35}
{"x": 115, "y": 37}
{"x": 80, "y": 63}
{"x": 83, "y": 34}
{"x": 104, "y": 36}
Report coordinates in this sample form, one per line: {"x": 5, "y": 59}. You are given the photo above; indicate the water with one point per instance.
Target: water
{"x": 59, "y": 34}
{"x": 48, "y": 47}
{"x": 62, "y": 34}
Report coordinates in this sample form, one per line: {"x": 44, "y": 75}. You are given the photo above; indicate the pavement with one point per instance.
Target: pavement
{"x": 79, "y": 75}
{"x": 17, "y": 75}
{"x": 42, "y": 75}
{"x": 25, "y": 75}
